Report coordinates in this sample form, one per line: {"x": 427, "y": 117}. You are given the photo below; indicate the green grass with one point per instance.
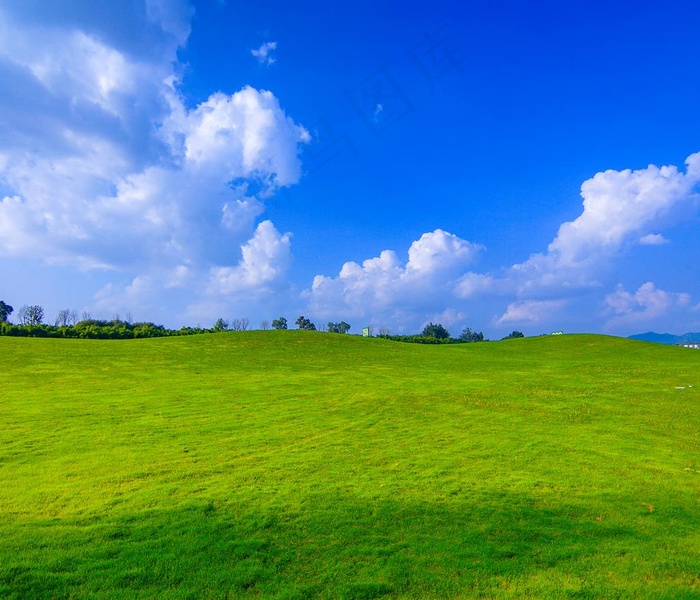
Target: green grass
{"x": 296, "y": 465}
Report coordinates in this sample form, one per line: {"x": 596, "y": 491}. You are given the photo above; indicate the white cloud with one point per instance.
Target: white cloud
{"x": 653, "y": 239}
{"x": 106, "y": 167}
{"x": 178, "y": 277}
{"x": 74, "y": 209}
{"x": 383, "y": 287}
{"x": 103, "y": 166}
{"x": 258, "y": 277}
{"x": 246, "y": 134}
{"x": 527, "y": 312}
{"x": 240, "y": 214}
{"x": 264, "y": 53}
{"x": 619, "y": 208}
{"x": 475, "y": 284}
{"x": 139, "y": 296}
{"x": 264, "y": 264}
{"x": 439, "y": 252}
{"x": 83, "y": 87}
{"x": 619, "y": 204}
{"x": 645, "y": 305}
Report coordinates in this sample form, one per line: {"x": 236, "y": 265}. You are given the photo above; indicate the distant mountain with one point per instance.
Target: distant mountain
{"x": 667, "y": 338}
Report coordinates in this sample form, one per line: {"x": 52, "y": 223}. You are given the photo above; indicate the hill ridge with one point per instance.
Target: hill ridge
{"x": 667, "y": 338}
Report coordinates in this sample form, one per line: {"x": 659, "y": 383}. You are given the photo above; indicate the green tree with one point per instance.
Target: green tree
{"x": 341, "y": 327}
{"x": 303, "y": 323}
{"x": 280, "y": 323}
{"x": 435, "y": 330}
{"x": 220, "y": 325}
{"x": 468, "y": 335}
{"x": 514, "y": 334}
{"x": 5, "y": 311}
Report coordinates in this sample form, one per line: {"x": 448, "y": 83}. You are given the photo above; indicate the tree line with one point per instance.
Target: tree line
{"x": 435, "y": 333}
{"x": 68, "y": 325}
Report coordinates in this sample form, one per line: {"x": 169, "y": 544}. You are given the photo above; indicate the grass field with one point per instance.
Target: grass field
{"x": 305, "y": 465}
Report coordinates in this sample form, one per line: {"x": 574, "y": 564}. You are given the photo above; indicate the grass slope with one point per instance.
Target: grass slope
{"x": 306, "y": 465}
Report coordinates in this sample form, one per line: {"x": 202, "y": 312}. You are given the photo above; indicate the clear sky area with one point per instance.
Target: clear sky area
{"x": 500, "y": 165}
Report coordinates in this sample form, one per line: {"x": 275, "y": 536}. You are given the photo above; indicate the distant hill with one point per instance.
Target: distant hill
{"x": 667, "y": 338}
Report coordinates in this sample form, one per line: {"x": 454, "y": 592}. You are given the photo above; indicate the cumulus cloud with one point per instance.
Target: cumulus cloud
{"x": 619, "y": 209}
{"x": 645, "y": 305}
{"x": 245, "y": 135}
{"x": 83, "y": 208}
{"x": 102, "y": 165}
{"x": 527, "y": 312}
{"x": 96, "y": 82}
{"x": 259, "y": 275}
{"x": 384, "y": 285}
{"x": 617, "y": 204}
{"x": 264, "y": 264}
{"x": 264, "y": 53}
{"x": 439, "y": 252}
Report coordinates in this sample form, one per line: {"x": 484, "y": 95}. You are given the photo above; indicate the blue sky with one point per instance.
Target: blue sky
{"x": 493, "y": 165}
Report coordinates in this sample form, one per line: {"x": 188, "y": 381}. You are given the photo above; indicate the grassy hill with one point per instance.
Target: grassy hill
{"x": 305, "y": 465}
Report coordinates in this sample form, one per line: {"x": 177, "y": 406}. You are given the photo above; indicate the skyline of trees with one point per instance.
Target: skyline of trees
{"x": 67, "y": 324}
